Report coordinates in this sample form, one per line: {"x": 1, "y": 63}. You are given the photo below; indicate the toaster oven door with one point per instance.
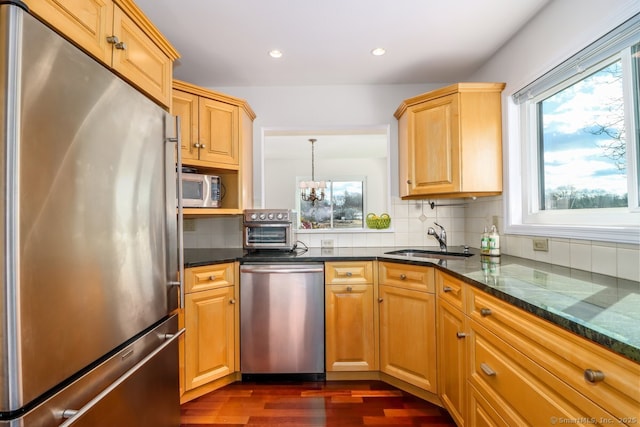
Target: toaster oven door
{"x": 268, "y": 236}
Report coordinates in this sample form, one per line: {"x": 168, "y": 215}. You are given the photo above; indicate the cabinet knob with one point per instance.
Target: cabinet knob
{"x": 349, "y": 274}
{"x": 380, "y": 299}
{"x": 487, "y": 370}
{"x": 212, "y": 277}
{"x": 403, "y": 276}
{"x": 232, "y": 301}
{"x": 409, "y": 181}
{"x": 120, "y": 45}
{"x": 197, "y": 145}
{"x": 349, "y": 289}
{"x": 447, "y": 289}
{"x": 593, "y": 376}
{"x": 112, "y": 39}
{"x": 461, "y": 334}
{"x": 484, "y": 312}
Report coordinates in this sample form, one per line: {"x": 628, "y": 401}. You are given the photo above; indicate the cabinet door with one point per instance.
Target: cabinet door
{"x": 185, "y": 106}
{"x": 408, "y": 336}
{"x": 138, "y": 59}
{"x": 86, "y": 22}
{"x": 434, "y": 147}
{"x": 452, "y": 350}
{"x": 209, "y": 336}
{"x": 218, "y": 130}
{"x": 350, "y": 336}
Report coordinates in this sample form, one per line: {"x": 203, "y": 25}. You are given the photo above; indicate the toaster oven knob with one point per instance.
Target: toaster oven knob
{"x": 254, "y": 216}
{"x": 270, "y": 216}
{"x": 262, "y": 216}
{"x": 279, "y": 216}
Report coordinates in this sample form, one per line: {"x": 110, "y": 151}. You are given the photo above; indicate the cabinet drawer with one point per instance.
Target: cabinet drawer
{"x": 407, "y": 276}
{"x": 565, "y": 355}
{"x": 520, "y": 390}
{"x": 348, "y": 273}
{"x": 450, "y": 289}
{"x": 209, "y": 277}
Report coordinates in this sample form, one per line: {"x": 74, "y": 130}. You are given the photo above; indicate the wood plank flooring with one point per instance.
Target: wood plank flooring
{"x": 331, "y": 403}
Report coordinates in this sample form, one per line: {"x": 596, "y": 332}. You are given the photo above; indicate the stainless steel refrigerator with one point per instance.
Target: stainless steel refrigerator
{"x": 89, "y": 254}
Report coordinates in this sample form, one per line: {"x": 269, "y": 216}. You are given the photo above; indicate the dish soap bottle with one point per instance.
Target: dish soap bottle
{"x": 484, "y": 242}
{"x": 494, "y": 242}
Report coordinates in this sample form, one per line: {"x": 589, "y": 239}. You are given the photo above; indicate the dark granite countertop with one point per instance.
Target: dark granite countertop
{"x": 603, "y": 309}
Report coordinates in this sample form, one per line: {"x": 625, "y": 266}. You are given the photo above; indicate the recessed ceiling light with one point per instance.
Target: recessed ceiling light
{"x": 379, "y": 51}
{"x": 275, "y": 53}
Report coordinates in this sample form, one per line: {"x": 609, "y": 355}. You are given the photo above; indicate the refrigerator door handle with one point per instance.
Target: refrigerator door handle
{"x": 72, "y": 415}
{"x": 174, "y": 194}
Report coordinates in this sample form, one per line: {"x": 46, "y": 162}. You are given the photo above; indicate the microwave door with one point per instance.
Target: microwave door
{"x": 194, "y": 191}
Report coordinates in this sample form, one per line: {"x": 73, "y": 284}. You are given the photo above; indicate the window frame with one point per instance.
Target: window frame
{"x": 523, "y": 214}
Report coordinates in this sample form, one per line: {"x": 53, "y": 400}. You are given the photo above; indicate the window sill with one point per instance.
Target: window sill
{"x": 342, "y": 230}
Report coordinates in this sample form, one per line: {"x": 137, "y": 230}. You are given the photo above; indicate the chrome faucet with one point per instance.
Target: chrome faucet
{"x": 442, "y": 238}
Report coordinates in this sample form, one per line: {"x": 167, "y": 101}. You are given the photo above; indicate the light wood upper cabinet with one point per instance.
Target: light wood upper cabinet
{"x": 87, "y": 23}
{"x": 219, "y": 132}
{"x": 408, "y": 324}
{"x": 216, "y": 136}
{"x": 119, "y": 35}
{"x": 351, "y": 330}
{"x": 450, "y": 142}
{"x": 138, "y": 59}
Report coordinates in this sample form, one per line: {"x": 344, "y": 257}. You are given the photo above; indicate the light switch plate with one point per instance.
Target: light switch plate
{"x": 541, "y": 245}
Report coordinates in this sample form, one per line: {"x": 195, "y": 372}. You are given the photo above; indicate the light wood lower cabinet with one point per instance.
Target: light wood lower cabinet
{"x": 351, "y": 329}
{"x": 452, "y": 347}
{"x": 211, "y": 319}
{"x": 408, "y": 325}
{"x": 522, "y": 370}
{"x": 209, "y": 339}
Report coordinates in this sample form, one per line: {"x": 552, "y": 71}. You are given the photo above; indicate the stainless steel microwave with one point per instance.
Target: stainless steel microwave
{"x": 201, "y": 191}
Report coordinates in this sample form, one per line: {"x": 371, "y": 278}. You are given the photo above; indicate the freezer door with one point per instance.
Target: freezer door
{"x": 84, "y": 258}
{"x": 137, "y": 386}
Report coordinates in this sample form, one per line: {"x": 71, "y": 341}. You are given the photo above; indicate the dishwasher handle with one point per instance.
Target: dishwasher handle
{"x": 282, "y": 269}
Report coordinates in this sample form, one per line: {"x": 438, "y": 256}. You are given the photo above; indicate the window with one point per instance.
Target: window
{"x": 341, "y": 208}
{"x": 580, "y": 145}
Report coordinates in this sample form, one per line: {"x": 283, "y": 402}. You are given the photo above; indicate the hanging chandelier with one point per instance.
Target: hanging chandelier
{"x": 312, "y": 191}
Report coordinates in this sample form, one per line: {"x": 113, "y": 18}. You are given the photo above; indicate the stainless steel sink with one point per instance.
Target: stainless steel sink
{"x": 422, "y": 253}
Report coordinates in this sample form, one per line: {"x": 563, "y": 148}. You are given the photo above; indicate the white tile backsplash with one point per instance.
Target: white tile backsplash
{"x": 464, "y": 225}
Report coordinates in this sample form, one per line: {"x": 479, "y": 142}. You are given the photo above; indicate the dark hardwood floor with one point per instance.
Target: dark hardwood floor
{"x": 331, "y": 403}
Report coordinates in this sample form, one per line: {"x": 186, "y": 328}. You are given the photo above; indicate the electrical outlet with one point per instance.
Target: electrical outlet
{"x": 326, "y": 243}
{"x": 541, "y": 245}
{"x": 189, "y": 224}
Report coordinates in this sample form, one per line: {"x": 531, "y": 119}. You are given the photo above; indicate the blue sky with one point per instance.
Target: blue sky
{"x": 573, "y": 156}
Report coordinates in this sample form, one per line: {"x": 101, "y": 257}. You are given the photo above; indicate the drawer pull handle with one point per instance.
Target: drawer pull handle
{"x": 593, "y": 376}
{"x": 447, "y": 289}
{"x": 484, "y": 312}
{"x": 487, "y": 370}
{"x": 349, "y": 288}
{"x": 232, "y": 301}
{"x": 349, "y": 274}
{"x": 403, "y": 276}
{"x": 460, "y": 334}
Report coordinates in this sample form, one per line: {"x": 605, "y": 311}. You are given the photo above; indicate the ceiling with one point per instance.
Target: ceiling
{"x": 225, "y": 43}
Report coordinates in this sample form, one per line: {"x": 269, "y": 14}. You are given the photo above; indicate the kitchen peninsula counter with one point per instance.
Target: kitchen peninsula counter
{"x": 603, "y": 309}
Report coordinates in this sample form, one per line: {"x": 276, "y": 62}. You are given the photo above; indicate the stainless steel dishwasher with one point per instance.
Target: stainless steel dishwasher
{"x": 282, "y": 320}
